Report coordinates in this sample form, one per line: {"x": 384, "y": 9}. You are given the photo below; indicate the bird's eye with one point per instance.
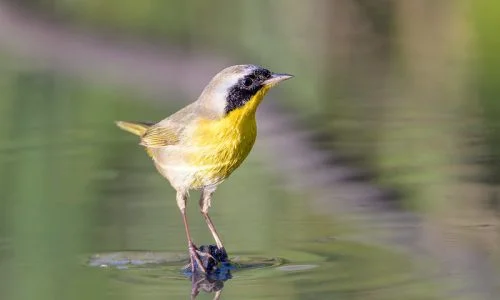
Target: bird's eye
{"x": 248, "y": 82}
{"x": 266, "y": 74}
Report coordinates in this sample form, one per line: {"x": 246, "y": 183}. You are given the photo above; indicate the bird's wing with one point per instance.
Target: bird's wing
{"x": 160, "y": 136}
{"x": 170, "y": 130}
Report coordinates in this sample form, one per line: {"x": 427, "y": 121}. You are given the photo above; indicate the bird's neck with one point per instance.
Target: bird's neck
{"x": 247, "y": 112}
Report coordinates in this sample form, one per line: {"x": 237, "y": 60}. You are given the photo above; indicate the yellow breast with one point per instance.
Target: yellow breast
{"x": 224, "y": 143}
{"x": 222, "y": 146}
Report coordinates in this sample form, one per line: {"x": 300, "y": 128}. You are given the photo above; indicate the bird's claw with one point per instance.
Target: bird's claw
{"x": 195, "y": 254}
{"x": 206, "y": 258}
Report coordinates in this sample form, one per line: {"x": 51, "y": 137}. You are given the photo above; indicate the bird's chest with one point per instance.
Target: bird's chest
{"x": 223, "y": 146}
{"x": 234, "y": 146}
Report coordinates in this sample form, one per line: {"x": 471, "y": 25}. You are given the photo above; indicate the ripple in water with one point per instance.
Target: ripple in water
{"x": 337, "y": 266}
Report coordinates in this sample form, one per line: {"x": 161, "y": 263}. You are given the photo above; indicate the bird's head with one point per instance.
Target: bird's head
{"x": 237, "y": 88}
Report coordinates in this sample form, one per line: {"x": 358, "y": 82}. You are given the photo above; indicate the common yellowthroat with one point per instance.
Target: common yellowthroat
{"x": 203, "y": 143}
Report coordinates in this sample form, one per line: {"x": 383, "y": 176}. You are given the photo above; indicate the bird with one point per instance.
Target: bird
{"x": 200, "y": 145}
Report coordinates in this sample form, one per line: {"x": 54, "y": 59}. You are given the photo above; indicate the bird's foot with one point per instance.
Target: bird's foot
{"x": 206, "y": 258}
{"x": 218, "y": 254}
{"x": 199, "y": 259}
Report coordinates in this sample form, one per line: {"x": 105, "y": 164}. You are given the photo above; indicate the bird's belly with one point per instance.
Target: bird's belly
{"x": 216, "y": 164}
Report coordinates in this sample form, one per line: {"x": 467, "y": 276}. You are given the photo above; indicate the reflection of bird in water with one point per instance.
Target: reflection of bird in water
{"x": 202, "y": 144}
{"x": 208, "y": 284}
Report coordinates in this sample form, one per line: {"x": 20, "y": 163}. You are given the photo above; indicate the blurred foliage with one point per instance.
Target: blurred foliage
{"x": 487, "y": 68}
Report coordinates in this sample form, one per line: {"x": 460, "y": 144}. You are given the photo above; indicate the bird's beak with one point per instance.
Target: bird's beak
{"x": 276, "y": 78}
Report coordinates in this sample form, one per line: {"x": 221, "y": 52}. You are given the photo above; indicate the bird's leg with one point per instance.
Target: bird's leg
{"x": 193, "y": 251}
{"x": 205, "y": 201}
{"x": 217, "y": 295}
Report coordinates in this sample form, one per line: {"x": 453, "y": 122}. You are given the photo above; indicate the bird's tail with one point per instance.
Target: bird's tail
{"x": 137, "y": 128}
